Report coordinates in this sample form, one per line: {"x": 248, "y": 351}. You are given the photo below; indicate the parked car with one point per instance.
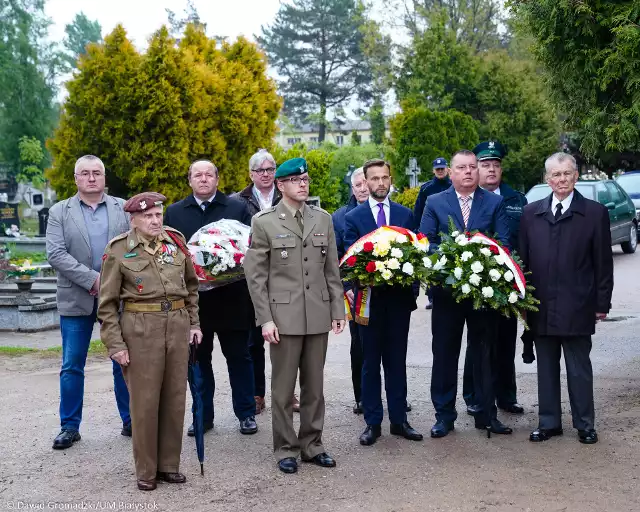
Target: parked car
{"x": 630, "y": 182}
{"x": 622, "y": 211}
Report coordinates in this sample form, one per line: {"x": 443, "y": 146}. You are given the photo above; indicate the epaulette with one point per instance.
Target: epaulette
{"x": 318, "y": 209}
{"x": 121, "y": 236}
{"x": 267, "y": 210}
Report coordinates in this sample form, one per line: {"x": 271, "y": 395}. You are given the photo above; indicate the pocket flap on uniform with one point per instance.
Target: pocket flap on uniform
{"x": 288, "y": 241}
{"x": 320, "y": 241}
{"x": 325, "y": 294}
{"x": 135, "y": 266}
{"x": 280, "y": 298}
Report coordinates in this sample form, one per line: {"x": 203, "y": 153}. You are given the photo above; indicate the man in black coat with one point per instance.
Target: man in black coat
{"x": 490, "y": 155}
{"x": 225, "y": 311}
{"x": 565, "y": 242}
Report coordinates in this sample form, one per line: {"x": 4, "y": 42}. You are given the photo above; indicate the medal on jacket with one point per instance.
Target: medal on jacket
{"x": 284, "y": 254}
{"x": 139, "y": 286}
{"x": 167, "y": 253}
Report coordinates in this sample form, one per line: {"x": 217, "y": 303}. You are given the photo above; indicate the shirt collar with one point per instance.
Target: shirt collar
{"x": 292, "y": 210}
{"x": 459, "y": 195}
{"x": 102, "y": 200}
{"x": 373, "y": 203}
{"x": 200, "y": 201}
{"x": 566, "y": 202}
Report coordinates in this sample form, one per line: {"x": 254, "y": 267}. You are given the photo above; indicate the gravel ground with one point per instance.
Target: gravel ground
{"x": 462, "y": 472}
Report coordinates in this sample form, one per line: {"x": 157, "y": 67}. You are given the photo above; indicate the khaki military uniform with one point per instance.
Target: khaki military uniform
{"x": 158, "y": 287}
{"x": 294, "y": 281}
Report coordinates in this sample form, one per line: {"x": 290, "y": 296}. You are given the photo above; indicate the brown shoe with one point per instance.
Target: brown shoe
{"x": 296, "y": 403}
{"x": 260, "y": 405}
{"x": 171, "y": 478}
{"x": 147, "y": 485}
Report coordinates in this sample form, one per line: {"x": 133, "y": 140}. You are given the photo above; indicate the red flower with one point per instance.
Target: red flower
{"x": 371, "y": 266}
{"x": 237, "y": 257}
{"x": 467, "y": 233}
{"x": 494, "y": 249}
{"x": 421, "y": 236}
{"x": 368, "y": 247}
{"x": 351, "y": 261}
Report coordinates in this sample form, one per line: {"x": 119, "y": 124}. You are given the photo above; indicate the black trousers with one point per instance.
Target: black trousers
{"x": 256, "y": 349}
{"x": 503, "y": 364}
{"x": 447, "y": 325}
{"x": 576, "y": 351}
{"x": 356, "y": 361}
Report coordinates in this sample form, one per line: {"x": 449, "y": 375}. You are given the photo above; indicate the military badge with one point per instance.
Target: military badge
{"x": 284, "y": 255}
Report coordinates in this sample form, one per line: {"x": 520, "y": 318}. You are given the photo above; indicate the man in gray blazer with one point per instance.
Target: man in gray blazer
{"x": 78, "y": 231}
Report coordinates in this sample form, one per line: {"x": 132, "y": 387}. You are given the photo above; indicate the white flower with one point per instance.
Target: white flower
{"x": 499, "y": 259}
{"x": 422, "y": 247}
{"x": 455, "y": 234}
{"x": 443, "y": 261}
{"x": 381, "y": 249}
{"x": 465, "y": 288}
{"x": 402, "y": 239}
{"x": 508, "y": 276}
{"x": 477, "y": 267}
{"x": 427, "y": 262}
{"x": 407, "y": 268}
{"x": 487, "y": 292}
{"x": 494, "y": 274}
{"x": 387, "y": 274}
{"x": 396, "y": 253}
{"x": 462, "y": 240}
{"x": 513, "y": 298}
{"x": 457, "y": 272}
{"x": 393, "y": 264}
{"x": 466, "y": 255}
{"x": 380, "y": 266}
{"x": 485, "y": 251}
{"x": 474, "y": 279}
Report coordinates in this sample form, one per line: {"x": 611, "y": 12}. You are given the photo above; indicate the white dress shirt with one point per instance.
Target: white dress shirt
{"x": 200, "y": 201}
{"x": 373, "y": 204}
{"x": 460, "y": 201}
{"x": 264, "y": 203}
{"x": 566, "y": 202}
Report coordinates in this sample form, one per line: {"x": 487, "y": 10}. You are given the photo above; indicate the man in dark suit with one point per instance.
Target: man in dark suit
{"x": 565, "y": 242}
{"x": 490, "y": 155}
{"x": 471, "y": 208}
{"x": 225, "y": 311}
{"x": 385, "y": 338}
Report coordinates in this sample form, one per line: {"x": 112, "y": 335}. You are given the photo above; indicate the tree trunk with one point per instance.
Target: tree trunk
{"x": 323, "y": 120}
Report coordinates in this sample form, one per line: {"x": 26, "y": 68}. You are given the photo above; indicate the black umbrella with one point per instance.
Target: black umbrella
{"x": 195, "y": 384}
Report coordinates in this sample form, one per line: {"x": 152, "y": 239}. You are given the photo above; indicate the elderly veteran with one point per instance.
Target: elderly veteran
{"x": 148, "y": 269}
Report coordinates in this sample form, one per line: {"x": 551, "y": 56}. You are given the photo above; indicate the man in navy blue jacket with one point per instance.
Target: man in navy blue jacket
{"x": 471, "y": 208}
{"x": 384, "y": 339}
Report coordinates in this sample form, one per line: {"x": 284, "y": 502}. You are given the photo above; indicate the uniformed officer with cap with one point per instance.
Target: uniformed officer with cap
{"x": 293, "y": 277}
{"x": 490, "y": 155}
{"x": 439, "y": 183}
{"x": 148, "y": 270}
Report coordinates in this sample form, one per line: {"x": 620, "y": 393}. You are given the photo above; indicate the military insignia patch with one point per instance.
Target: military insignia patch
{"x": 131, "y": 255}
{"x": 284, "y": 255}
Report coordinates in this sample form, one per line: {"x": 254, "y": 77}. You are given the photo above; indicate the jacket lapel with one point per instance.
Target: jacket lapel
{"x": 287, "y": 220}
{"x": 455, "y": 208}
{"x": 476, "y": 206}
{"x": 75, "y": 210}
{"x": 309, "y": 221}
{"x": 114, "y": 212}
{"x": 366, "y": 214}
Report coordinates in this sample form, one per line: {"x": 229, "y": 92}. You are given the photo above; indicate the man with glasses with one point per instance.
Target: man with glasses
{"x": 78, "y": 231}
{"x": 225, "y": 311}
{"x": 294, "y": 280}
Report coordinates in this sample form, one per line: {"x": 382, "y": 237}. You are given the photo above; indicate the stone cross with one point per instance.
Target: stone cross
{"x": 413, "y": 171}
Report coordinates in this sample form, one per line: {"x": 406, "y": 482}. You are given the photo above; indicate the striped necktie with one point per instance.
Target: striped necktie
{"x": 466, "y": 210}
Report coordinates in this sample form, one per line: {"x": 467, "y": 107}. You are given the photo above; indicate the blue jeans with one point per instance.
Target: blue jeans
{"x": 76, "y": 336}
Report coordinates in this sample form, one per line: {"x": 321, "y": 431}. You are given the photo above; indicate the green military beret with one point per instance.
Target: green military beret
{"x": 292, "y": 167}
{"x": 490, "y": 150}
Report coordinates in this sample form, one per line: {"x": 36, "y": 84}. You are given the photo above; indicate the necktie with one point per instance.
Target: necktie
{"x": 466, "y": 210}
{"x": 558, "y": 211}
{"x": 381, "y": 220}
{"x": 298, "y": 217}
{"x": 204, "y": 205}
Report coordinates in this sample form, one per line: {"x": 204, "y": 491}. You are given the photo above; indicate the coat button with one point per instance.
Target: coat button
{"x": 304, "y": 244}
{"x": 305, "y": 258}
{"x": 306, "y": 272}
{"x": 307, "y": 287}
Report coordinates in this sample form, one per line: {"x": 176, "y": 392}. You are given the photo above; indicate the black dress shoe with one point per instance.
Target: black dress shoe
{"x": 171, "y": 478}
{"x": 473, "y": 409}
{"x": 288, "y": 465}
{"x": 323, "y": 460}
{"x": 408, "y": 407}
{"x": 441, "y": 428}
{"x": 207, "y": 426}
{"x": 248, "y": 426}
{"x": 65, "y": 439}
{"x": 541, "y": 434}
{"x": 407, "y": 431}
{"x": 588, "y": 436}
{"x": 370, "y": 435}
{"x": 495, "y": 427}
{"x": 357, "y": 408}
{"x": 126, "y": 430}
{"x": 147, "y": 485}
{"x": 514, "y": 408}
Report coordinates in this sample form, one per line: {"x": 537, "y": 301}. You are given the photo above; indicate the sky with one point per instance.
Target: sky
{"x": 143, "y": 17}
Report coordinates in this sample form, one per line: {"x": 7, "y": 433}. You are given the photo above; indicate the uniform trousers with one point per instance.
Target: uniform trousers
{"x": 156, "y": 376}
{"x": 306, "y": 353}
{"x": 576, "y": 351}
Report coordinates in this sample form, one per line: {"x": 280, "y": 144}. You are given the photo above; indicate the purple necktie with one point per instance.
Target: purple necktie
{"x": 381, "y": 219}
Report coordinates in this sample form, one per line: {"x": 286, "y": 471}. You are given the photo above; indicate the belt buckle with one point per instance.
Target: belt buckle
{"x": 165, "y": 306}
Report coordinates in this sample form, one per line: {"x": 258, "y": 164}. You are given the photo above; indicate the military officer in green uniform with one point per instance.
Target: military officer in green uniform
{"x": 294, "y": 281}
{"x": 148, "y": 271}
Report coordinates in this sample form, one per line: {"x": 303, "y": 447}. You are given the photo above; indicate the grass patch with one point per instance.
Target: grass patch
{"x": 96, "y": 348}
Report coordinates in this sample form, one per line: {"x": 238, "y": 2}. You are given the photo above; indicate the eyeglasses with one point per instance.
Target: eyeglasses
{"x": 566, "y": 174}
{"x": 268, "y": 170}
{"x": 86, "y": 174}
{"x": 297, "y": 181}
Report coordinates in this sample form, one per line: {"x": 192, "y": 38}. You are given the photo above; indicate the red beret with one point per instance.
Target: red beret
{"x": 142, "y": 202}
